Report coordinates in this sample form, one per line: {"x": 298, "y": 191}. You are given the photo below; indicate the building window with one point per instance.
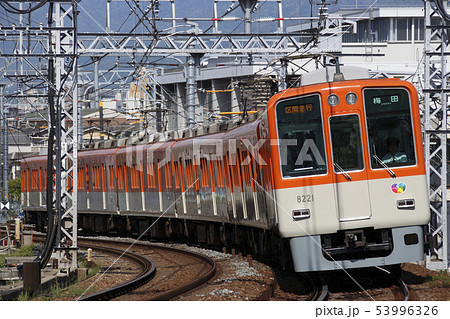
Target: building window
{"x": 402, "y": 29}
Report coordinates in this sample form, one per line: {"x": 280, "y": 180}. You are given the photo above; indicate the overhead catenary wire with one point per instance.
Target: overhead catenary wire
{"x": 12, "y": 9}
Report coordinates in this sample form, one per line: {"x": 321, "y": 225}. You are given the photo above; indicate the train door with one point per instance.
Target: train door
{"x": 350, "y": 177}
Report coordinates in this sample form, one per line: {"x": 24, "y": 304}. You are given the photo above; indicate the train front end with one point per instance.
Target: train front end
{"x": 350, "y": 184}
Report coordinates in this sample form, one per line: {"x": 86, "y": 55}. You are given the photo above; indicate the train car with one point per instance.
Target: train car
{"x": 33, "y": 185}
{"x": 346, "y": 197}
{"x": 330, "y": 176}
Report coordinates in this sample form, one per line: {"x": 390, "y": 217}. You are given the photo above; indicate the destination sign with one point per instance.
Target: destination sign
{"x": 296, "y": 109}
{"x": 386, "y": 99}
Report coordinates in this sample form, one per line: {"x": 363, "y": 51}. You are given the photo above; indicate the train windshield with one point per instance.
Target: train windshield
{"x": 346, "y": 143}
{"x": 300, "y": 133}
{"x": 390, "y": 129}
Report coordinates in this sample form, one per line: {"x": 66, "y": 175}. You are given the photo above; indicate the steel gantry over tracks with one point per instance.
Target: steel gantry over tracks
{"x": 436, "y": 92}
{"x": 44, "y": 57}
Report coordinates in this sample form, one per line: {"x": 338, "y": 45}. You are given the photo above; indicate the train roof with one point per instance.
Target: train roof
{"x": 328, "y": 75}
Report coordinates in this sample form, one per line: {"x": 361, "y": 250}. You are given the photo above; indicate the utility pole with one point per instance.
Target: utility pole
{"x": 248, "y": 6}
{"x": 4, "y": 111}
{"x": 97, "y": 101}
{"x": 191, "y": 89}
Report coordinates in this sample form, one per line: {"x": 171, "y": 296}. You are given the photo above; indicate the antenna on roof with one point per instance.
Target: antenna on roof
{"x": 338, "y": 76}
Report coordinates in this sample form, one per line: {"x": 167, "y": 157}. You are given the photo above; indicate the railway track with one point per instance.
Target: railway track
{"x": 321, "y": 290}
{"x": 369, "y": 284}
{"x": 147, "y": 273}
{"x": 178, "y": 271}
{"x": 372, "y": 284}
{"x": 298, "y": 287}
{"x": 165, "y": 272}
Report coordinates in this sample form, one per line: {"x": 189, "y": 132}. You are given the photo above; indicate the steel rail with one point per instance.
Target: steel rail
{"x": 147, "y": 273}
{"x": 404, "y": 288}
{"x": 167, "y": 295}
{"x": 319, "y": 288}
{"x": 395, "y": 274}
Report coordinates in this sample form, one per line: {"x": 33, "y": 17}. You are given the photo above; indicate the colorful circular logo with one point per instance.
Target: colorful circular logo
{"x": 398, "y": 188}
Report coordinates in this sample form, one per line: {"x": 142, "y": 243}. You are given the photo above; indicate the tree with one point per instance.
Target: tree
{"x": 14, "y": 186}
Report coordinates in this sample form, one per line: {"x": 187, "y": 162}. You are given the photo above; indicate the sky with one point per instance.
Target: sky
{"x": 123, "y": 17}
{"x": 93, "y": 12}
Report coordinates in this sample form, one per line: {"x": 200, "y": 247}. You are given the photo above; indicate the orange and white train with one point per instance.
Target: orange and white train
{"x": 330, "y": 176}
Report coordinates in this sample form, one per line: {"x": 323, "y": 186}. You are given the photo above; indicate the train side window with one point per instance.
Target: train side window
{"x": 87, "y": 178}
{"x": 176, "y": 175}
{"x": 131, "y": 172}
{"x": 141, "y": 175}
{"x": 111, "y": 177}
{"x": 254, "y": 174}
{"x": 301, "y": 138}
{"x": 34, "y": 179}
{"x": 40, "y": 179}
{"x": 81, "y": 177}
{"x": 154, "y": 174}
{"x": 28, "y": 180}
{"x": 245, "y": 168}
{"x": 346, "y": 143}
{"x": 158, "y": 172}
{"x": 182, "y": 175}
{"x": 204, "y": 172}
{"x": 103, "y": 177}
{"x": 220, "y": 175}
{"x": 189, "y": 178}
{"x": 22, "y": 183}
{"x": 120, "y": 177}
{"x": 213, "y": 175}
{"x": 230, "y": 170}
{"x": 196, "y": 175}
{"x": 125, "y": 177}
{"x": 226, "y": 171}
{"x": 389, "y": 126}
{"x": 237, "y": 171}
{"x": 134, "y": 177}
{"x": 151, "y": 176}
{"x": 168, "y": 173}
{"x": 95, "y": 177}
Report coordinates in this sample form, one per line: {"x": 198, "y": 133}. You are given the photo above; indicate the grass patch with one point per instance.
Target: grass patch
{"x": 25, "y": 251}
{"x": 24, "y": 296}
{"x": 92, "y": 267}
{"x": 64, "y": 292}
{"x": 440, "y": 280}
{"x": 73, "y": 290}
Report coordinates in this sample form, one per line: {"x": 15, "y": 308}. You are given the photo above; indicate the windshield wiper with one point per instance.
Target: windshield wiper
{"x": 341, "y": 170}
{"x": 384, "y": 166}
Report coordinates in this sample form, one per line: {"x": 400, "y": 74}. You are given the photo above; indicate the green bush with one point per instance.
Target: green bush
{"x": 14, "y": 188}
{"x": 25, "y": 251}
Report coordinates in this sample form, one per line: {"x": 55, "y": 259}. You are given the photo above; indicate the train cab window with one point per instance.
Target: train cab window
{"x": 390, "y": 129}
{"x": 346, "y": 143}
{"x": 300, "y": 133}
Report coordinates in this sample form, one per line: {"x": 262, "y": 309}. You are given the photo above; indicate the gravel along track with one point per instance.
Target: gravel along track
{"x": 236, "y": 280}
{"x": 175, "y": 270}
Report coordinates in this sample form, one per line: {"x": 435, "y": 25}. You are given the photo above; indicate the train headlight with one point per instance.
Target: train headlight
{"x": 333, "y": 100}
{"x": 351, "y": 98}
